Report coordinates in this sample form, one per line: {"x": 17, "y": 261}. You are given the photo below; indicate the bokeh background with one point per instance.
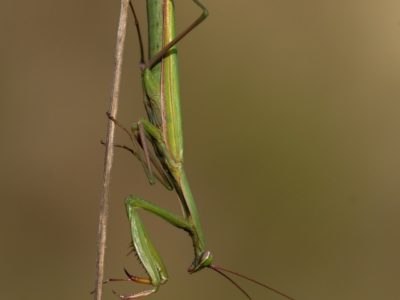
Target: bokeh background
{"x": 292, "y": 146}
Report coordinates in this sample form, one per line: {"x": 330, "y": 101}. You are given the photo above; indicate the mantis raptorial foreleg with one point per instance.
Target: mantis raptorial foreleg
{"x": 138, "y": 295}
{"x": 134, "y": 203}
{"x": 144, "y": 248}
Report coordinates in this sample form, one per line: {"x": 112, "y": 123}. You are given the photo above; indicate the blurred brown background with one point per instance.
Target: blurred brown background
{"x": 291, "y": 120}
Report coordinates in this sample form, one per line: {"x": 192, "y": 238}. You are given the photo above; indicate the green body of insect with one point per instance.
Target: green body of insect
{"x": 163, "y": 129}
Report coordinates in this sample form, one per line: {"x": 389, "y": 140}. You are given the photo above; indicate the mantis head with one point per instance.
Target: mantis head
{"x": 203, "y": 261}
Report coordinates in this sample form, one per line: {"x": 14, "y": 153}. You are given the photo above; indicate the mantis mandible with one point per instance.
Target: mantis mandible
{"x": 158, "y": 144}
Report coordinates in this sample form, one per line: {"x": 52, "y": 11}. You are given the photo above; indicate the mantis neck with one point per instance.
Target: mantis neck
{"x": 191, "y": 213}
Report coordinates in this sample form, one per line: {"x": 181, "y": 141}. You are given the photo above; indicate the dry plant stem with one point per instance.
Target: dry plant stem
{"x": 109, "y": 153}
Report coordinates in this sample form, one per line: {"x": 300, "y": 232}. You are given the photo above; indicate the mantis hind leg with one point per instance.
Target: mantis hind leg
{"x": 157, "y": 57}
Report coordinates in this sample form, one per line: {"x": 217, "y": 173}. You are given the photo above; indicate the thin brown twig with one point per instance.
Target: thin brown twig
{"x": 109, "y": 152}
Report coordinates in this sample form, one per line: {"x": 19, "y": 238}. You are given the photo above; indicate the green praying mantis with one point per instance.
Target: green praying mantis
{"x": 158, "y": 144}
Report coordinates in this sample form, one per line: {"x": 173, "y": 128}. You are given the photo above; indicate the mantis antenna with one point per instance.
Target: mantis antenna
{"x": 221, "y": 270}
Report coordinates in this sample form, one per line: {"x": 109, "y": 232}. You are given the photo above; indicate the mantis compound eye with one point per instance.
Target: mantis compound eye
{"x": 206, "y": 259}
{"x": 203, "y": 261}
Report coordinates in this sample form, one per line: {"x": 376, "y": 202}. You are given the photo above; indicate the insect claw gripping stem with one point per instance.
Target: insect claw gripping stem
{"x": 120, "y": 125}
{"x": 133, "y": 152}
